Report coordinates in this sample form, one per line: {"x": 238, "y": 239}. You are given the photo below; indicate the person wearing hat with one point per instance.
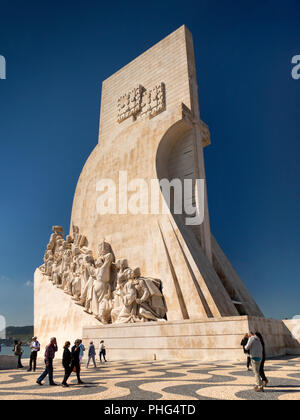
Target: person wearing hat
{"x": 34, "y": 349}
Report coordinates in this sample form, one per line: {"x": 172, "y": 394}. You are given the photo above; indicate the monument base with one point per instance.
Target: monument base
{"x": 204, "y": 340}
{"x": 210, "y": 339}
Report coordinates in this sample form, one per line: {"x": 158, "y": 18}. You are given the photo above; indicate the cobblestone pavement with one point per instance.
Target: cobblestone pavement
{"x": 184, "y": 380}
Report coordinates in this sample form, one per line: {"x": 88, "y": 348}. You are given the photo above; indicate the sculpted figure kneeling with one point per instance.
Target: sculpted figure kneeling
{"x": 151, "y": 304}
{"x": 128, "y": 312}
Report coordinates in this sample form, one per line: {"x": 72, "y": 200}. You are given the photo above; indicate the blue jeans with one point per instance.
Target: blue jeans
{"x": 48, "y": 371}
{"x": 93, "y": 359}
{"x": 19, "y": 361}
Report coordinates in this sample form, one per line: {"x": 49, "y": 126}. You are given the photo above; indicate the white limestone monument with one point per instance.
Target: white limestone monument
{"x": 131, "y": 270}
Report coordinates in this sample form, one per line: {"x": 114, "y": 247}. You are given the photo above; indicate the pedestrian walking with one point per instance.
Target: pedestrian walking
{"x": 262, "y": 364}
{"x": 256, "y": 350}
{"x": 75, "y": 362}
{"x": 50, "y": 351}
{"x": 18, "y": 352}
{"x": 243, "y": 344}
{"x": 66, "y": 362}
{"x": 102, "y": 351}
{"x": 34, "y": 349}
{"x": 91, "y": 354}
{"x": 82, "y": 349}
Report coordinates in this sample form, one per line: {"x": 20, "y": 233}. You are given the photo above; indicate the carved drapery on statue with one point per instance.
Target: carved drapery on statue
{"x": 105, "y": 287}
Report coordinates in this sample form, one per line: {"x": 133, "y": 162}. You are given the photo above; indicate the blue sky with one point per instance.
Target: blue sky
{"x": 57, "y": 55}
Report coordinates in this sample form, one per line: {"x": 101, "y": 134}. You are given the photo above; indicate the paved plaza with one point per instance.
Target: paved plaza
{"x": 140, "y": 380}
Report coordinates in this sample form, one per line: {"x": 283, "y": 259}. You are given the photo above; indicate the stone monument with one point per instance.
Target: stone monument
{"x": 149, "y": 283}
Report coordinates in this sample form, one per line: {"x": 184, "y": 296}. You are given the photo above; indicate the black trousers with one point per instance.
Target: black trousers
{"x": 69, "y": 370}
{"x": 19, "y": 360}
{"x": 262, "y": 370}
{"x": 102, "y": 353}
{"x": 32, "y": 361}
{"x": 67, "y": 373}
{"x": 248, "y": 361}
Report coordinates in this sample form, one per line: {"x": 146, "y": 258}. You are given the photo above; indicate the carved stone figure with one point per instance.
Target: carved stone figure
{"x": 48, "y": 261}
{"x": 117, "y": 302}
{"x": 151, "y": 305}
{"x": 111, "y": 291}
{"x": 78, "y": 239}
{"x": 68, "y": 242}
{"x": 77, "y": 279}
{"x": 128, "y": 312}
{"x": 102, "y": 289}
{"x": 66, "y": 260}
{"x": 118, "y": 269}
{"x": 65, "y": 268}
{"x": 89, "y": 279}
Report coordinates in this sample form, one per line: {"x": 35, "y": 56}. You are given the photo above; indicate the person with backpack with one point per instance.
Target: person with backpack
{"x": 18, "y": 352}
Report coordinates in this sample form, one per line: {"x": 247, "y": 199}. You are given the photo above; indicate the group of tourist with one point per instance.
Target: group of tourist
{"x": 71, "y": 361}
{"x": 254, "y": 347}
{"x": 252, "y": 343}
{"x": 34, "y": 349}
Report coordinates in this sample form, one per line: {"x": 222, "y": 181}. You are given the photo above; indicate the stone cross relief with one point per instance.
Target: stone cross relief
{"x": 105, "y": 287}
{"x": 140, "y": 102}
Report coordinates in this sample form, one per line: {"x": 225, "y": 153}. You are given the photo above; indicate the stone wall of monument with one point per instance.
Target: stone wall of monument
{"x": 56, "y": 315}
{"x": 292, "y": 335}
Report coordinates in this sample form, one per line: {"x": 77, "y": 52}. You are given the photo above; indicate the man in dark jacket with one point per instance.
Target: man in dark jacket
{"x": 66, "y": 362}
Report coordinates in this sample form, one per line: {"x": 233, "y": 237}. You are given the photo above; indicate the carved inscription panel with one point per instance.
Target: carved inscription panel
{"x": 141, "y": 102}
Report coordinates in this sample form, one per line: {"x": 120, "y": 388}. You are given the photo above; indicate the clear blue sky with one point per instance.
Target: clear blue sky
{"x": 57, "y": 55}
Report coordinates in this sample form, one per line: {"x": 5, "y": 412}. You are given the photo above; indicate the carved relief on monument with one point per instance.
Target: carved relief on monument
{"x": 129, "y": 104}
{"x": 108, "y": 289}
{"x": 141, "y": 102}
{"x": 153, "y": 101}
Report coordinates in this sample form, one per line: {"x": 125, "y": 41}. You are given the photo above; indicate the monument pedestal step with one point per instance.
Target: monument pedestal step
{"x": 8, "y": 362}
{"x": 206, "y": 340}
